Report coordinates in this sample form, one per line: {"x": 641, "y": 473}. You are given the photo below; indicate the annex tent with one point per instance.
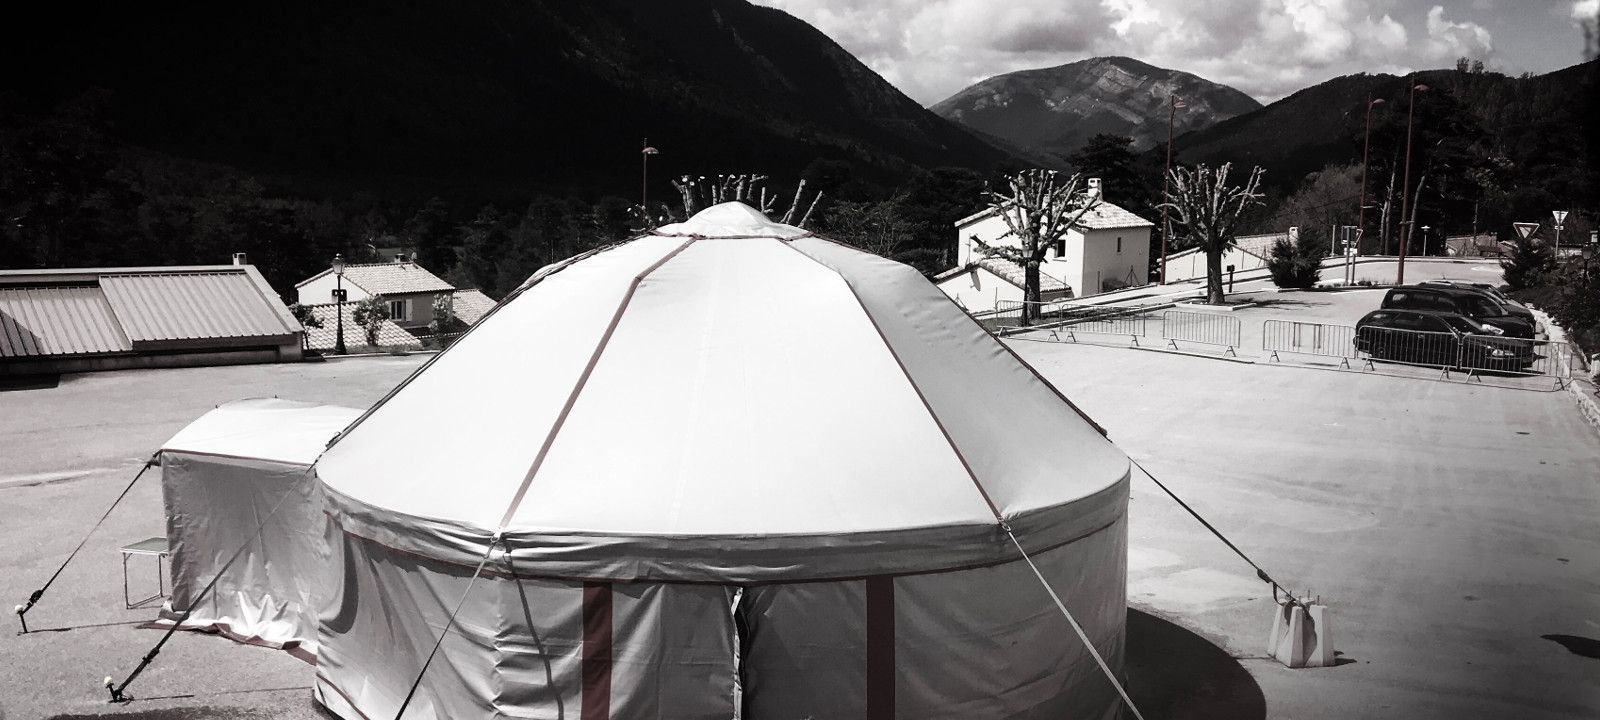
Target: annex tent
{"x": 725, "y": 469}
{"x": 240, "y": 468}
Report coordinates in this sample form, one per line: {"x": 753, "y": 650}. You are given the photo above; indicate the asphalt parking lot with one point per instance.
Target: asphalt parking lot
{"x": 1450, "y": 528}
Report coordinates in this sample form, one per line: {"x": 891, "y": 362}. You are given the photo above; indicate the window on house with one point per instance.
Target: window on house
{"x": 398, "y": 308}
{"x": 1061, "y": 247}
{"x": 1119, "y": 245}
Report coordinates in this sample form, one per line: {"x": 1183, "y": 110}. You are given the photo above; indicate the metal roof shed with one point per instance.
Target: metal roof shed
{"x": 85, "y": 319}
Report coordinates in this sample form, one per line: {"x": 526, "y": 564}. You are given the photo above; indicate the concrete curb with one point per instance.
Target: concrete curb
{"x": 1581, "y": 389}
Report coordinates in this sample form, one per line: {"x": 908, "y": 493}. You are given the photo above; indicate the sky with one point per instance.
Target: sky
{"x": 931, "y": 49}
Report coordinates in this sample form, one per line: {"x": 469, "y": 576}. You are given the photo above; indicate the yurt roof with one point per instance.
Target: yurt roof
{"x": 269, "y": 429}
{"x": 724, "y": 397}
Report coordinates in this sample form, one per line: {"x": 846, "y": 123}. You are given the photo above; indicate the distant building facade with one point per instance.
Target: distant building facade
{"x": 89, "y": 319}
{"x": 1249, "y": 252}
{"x": 1109, "y": 249}
{"x": 408, "y": 290}
{"x": 406, "y": 287}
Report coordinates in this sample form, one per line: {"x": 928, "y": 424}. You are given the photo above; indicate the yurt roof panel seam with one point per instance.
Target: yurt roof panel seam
{"x": 532, "y": 280}
{"x": 583, "y": 379}
{"x": 911, "y": 381}
{"x": 1007, "y": 348}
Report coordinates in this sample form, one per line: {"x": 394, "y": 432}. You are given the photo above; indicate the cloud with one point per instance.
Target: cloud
{"x": 1585, "y": 10}
{"x": 931, "y": 49}
{"x": 1448, "y": 39}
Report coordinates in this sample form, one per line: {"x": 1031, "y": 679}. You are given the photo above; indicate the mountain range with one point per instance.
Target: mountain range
{"x": 518, "y": 95}
{"x": 1054, "y": 111}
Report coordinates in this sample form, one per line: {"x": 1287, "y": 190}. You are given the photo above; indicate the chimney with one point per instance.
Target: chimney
{"x": 1294, "y": 236}
{"x": 238, "y": 259}
{"x": 1094, "y": 188}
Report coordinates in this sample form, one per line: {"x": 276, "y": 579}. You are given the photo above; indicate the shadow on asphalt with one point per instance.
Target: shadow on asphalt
{"x": 29, "y": 382}
{"x": 1175, "y": 674}
{"x": 1587, "y": 647}
{"x": 204, "y": 712}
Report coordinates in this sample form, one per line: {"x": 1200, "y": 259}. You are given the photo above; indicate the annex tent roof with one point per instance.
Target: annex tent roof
{"x": 221, "y": 476}
{"x": 725, "y": 399}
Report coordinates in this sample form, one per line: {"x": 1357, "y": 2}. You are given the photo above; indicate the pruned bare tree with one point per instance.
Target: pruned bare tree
{"x": 1038, "y": 211}
{"x": 1209, "y": 210}
{"x": 699, "y": 192}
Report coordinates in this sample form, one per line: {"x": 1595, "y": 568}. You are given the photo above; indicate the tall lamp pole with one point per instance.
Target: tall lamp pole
{"x": 1405, "y": 193}
{"x": 1424, "y": 240}
{"x": 338, "y": 296}
{"x": 1560, "y": 217}
{"x": 1366, "y": 145}
{"x": 644, "y": 184}
{"x": 1166, "y": 178}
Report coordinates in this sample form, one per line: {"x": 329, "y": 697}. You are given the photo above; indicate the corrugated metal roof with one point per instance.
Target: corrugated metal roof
{"x": 389, "y": 278}
{"x": 155, "y": 307}
{"x": 36, "y": 321}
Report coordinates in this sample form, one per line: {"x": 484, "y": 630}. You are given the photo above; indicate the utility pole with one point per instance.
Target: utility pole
{"x": 1366, "y": 147}
{"x": 1405, "y": 193}
{"x": 1166, "y": 178}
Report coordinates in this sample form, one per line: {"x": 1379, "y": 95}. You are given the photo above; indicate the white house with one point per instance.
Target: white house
{"x": 1108, "y": 249}
{"x": 406, "y": 286}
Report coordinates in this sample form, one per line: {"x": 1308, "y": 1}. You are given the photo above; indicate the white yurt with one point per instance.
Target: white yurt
{"x": 221, "y": 476}
{"x": 726, "y": 469}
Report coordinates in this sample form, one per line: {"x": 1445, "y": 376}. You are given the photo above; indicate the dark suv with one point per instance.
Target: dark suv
{"x": 1506, "y": 303}
{"x": 1440, "y": 339}
{"x": 1470, "y": 303}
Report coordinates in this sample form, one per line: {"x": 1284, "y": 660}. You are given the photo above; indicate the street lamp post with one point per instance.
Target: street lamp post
{"x": 1560, "y": 217}
{"x": 1366, "y": 145}
{"x": 338, "y": 296}
{"x": 1405, "y": 193}
{"x": 1424, "y": 240}
{"x": 644, "y": 184}
{"x": 1166, "y": 178}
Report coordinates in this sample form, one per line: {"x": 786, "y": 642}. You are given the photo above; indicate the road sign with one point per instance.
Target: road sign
{"x": 1525, "y": 230}
{"x": 1561, "y": 217}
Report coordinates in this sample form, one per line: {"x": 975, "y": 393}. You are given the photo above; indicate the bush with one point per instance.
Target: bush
{"x": 1296, "y": 264}
{"x": 1527, "y": 263}
{"x": 370, "y": 314}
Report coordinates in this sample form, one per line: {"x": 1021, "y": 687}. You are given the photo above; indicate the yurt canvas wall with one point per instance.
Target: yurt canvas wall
{"x": 222, "y": 476}
{"x": 725, "y": 466}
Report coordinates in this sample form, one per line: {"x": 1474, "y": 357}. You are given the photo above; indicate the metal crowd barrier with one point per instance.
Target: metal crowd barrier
{"x": 1204, "y": 328}
{"x": 1475, "y": 355}
{"x": 1123, "y": 321}
{"x": 1309, "y": 339}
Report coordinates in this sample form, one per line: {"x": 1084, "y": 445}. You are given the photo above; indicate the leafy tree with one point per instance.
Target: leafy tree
{"x": 431, "y": 230}
{"x": 1038, "y": 211}
{"x": 303, "y": 314}
{"x": 443, "y": 313}
{"x": 1296, "y": 264}
{"x": 370, "y": 313}
{"x": 1107, "y": 157}
{"x": 1209, "y": 210}
{"x": 1527, "y": 264}
{"x": 876, "y": 227}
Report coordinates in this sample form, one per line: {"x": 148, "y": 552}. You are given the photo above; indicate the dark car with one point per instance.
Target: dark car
{"x": 1493, "y": 293}
{"x": 1440, "y": 339}
{"x": 1470, "y": 303}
